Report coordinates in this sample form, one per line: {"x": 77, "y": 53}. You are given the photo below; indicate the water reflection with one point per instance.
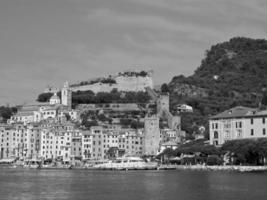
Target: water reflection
{"x": 118, "y": 185}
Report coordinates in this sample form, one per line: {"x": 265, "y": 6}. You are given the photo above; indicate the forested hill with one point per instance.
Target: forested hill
{"x": 232, "y": 73}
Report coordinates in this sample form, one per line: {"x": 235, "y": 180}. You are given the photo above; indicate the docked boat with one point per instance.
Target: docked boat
{"x": 8, "y": 163}
{"x": 32, "y": 164}
{"x": 50, "y": 166}
{"x": 127, "y": 163}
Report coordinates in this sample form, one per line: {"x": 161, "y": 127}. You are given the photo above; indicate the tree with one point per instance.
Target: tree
{"x": 6, "y": 112}
{"x": 44, "y": 97}
{"x": 89, "y": 124}
{"x": 264, "y": 99}
{"x": 125, "y": 122}
{"x": 136, "y": 124}
{"x": 246, "y": 152}
{"x": 165, "y": 88}
{"x": 68, "y": 117}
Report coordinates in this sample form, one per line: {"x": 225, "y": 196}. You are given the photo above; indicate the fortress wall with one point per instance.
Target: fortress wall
{"x": 97, "y": 87}
{"x": 123, "y": 83}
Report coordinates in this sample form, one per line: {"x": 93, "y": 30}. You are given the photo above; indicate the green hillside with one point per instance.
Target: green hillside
{"x": 232, "y": 73}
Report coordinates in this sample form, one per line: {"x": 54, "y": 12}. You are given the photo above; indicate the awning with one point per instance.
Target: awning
{"x": 7, "y": 160}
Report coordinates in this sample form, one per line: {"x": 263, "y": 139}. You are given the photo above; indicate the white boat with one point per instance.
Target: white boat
{"x": 127, "y": 163}
{"x": 32, "y": 163}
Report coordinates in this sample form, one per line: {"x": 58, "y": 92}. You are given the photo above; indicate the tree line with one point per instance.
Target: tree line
{"x": 237, "y": 152}
{"x": 89, "y": 97}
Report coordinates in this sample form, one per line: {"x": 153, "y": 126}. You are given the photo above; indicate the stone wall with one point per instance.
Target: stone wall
{"x": 151, "y": 136}
{"x": 123, "y": 83}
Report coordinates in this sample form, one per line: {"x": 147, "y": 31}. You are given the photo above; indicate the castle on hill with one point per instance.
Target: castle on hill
{"x": 128, "y": 81}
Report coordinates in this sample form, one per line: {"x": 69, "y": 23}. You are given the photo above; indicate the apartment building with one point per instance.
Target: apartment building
{"x": 237, "y": 123}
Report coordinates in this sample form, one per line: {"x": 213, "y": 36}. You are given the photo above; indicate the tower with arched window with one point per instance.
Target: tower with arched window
{"x": 66, "y": 95}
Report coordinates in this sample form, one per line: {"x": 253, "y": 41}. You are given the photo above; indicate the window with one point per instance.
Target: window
{"x": 263, "y": 131}
{"x": 263, "y": 120}
{"x": 239, "y": 133}
{"x": 252, "y": 132}
{"x": 251, "y": 121}
{"x": 216, "y": 135}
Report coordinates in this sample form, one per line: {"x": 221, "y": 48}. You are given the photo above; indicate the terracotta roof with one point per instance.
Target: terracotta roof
{"x": 236, "y": 112}
{"x": 20, "y": 114}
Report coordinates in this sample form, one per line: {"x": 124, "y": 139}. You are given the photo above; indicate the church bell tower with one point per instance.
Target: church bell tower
{"x": 66, "y": 96}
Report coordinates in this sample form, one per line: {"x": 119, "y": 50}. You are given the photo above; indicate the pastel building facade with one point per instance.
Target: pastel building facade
{"x": 57, "y": 140}
{"x": 238, "y": 123}
{"x": 19, "y": 141}
{"x": 76, "y": 146}
{"x": 97, "y": 142}
{"x": 87, "y": 144}
{"x": 36, "y": 112}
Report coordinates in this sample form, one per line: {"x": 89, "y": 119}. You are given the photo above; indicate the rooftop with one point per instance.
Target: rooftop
{"x": 238, "y": 112}
{"x": 169, "y": 143}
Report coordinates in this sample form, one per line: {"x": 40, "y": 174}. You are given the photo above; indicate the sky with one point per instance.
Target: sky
{"x": 48, "y": 42}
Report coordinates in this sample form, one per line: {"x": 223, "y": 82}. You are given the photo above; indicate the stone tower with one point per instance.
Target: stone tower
{"x": 151, "y": 136}
{"x": 163, "y": 103}
{"x": 66, "y": 96}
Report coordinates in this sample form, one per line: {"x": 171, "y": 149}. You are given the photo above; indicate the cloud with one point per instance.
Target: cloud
{"x": 50, "y": 42}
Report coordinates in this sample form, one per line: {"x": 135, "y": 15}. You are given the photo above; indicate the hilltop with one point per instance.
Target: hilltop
{"x": 124, "y": 87}
{"x": 232, "y": 73}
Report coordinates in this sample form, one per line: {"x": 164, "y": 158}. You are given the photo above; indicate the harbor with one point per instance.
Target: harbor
{"x": 130, "y": 163}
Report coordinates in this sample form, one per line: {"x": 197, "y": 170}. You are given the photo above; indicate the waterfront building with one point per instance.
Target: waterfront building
{"x": 110, "y": 140}
{"x": 97, "y": 142}
{"x": 56, "y": 141}
{"x": 131, "y": 142}
{"x": 237, "y": 123}
{"x": 87, "y": 144}
{"x": 10, "y": 140}
{"x": 32, "y": 141}
{"x": 17, "y": 140}
{"x": 76, "y": 146}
